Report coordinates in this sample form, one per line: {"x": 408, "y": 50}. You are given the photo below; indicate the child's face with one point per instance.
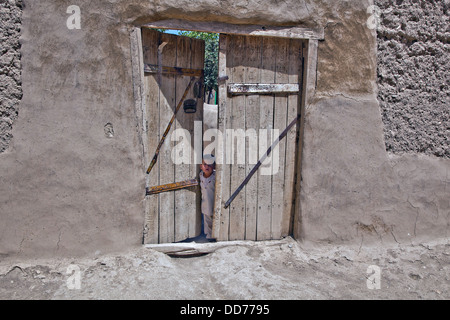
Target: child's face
{"x": 206, "y": 168}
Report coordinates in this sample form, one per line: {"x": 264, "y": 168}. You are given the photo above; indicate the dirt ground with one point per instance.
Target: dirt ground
{"x": 242, "y": 270}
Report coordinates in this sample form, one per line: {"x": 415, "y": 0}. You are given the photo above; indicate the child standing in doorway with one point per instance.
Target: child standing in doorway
{"x": 207, "y": 185}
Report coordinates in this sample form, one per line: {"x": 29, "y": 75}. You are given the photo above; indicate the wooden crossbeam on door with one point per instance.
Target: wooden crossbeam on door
{"x": 171, "y": 186}
{"x": 189, "y": 72}
{"x": 263, "y": 88}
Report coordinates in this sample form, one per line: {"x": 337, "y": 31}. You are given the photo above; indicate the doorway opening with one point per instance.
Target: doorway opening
{"x": 211, "y": 60}
{"x": 255, "y": 78}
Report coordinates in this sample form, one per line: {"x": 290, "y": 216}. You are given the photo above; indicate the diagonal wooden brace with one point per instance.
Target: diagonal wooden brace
{"x": 255, "y": 168}
{"x": 155, "y": 157}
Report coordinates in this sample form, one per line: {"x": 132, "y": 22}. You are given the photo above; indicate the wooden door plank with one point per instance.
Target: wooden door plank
{"x": 182, "y": 152}
{"x": 295, "y": 61}
{"x": 221, "y": 215}
{"x": 237, "y": 71}
{"x": 150, "y": 40}
{"x": 253, "y": 75}
{"x": 197, "y": 62}
{"x": 165, "y": 163}
{"x": 279, "y": 152}
{"x": 266, "y": 123}
{"x": 229, "y": 56}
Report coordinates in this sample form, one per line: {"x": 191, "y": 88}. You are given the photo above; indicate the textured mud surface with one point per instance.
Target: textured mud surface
{"x": 10, "y": 68}
{"x": 282, "y": 269}
{"x": 414, "y": 75}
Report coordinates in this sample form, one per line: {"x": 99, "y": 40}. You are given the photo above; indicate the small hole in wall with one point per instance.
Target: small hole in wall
{"x": 109, "y": 130}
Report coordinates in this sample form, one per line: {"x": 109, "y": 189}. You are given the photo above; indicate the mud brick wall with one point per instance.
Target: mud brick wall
{"x": 414, "y": 75}
{"x": 10, "y": 69}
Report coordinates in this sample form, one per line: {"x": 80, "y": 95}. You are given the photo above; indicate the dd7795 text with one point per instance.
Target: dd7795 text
{"x": 246, "y": 309}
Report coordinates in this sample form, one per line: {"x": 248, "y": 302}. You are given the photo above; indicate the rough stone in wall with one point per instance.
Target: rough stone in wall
{"x": 414, "y": 75}
{"x": 10, "y": 68}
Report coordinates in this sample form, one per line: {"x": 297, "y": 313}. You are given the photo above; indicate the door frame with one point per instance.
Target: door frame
{"x": 311, "y": 37}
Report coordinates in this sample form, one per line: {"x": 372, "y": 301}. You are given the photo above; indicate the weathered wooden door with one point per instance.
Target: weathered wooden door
{"x": 259, "y": 92}
{"x": 169, "y": 62}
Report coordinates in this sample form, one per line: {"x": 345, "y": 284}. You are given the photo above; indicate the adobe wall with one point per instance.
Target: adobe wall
{"x": 10, "y": 69}
{"x": 414, "y": 76}
{"x": 69, "y": 188}
{"x": 377, "y": 169}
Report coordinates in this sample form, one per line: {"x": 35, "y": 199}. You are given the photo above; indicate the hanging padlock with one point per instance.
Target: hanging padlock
{"x": 190, "y": 106}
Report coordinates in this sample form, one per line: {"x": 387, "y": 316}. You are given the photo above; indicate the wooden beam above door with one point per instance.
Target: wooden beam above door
{"x": 262, "y": 88}
{"x": 241, "y": 29}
